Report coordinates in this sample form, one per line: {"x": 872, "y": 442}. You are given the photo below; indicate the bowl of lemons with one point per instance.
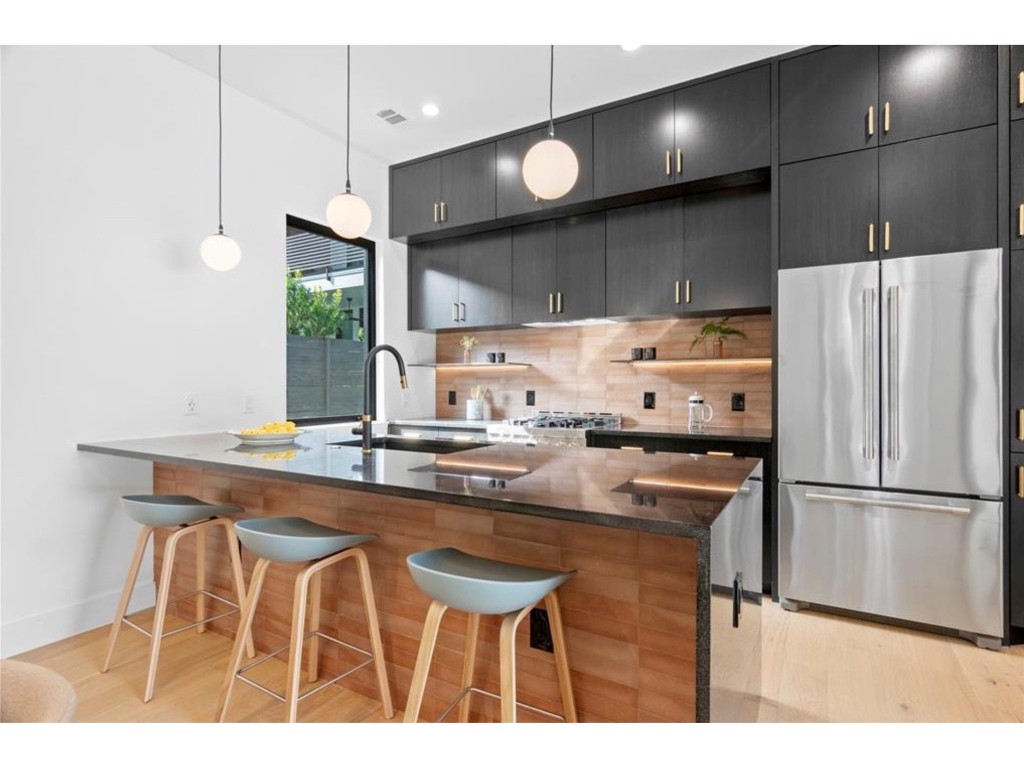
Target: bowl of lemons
{"x": 270, "y": 433}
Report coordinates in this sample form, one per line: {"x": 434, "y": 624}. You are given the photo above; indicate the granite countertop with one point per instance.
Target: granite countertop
{"x": 739, "y": 434}
{"x": 674, "y": 494}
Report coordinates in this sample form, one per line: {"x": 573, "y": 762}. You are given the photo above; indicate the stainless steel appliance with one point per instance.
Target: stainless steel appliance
{"x": 890, "y": 468}
{"x": 564, "y": 428}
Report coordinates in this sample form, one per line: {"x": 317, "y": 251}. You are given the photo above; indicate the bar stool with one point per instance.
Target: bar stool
{"x": 297, "y": 540}
{"x": 477, "y": 585}
{"x": 185, "y": 515}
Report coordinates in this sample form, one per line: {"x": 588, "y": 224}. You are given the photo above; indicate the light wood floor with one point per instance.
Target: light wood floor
{"x": 816, "y": 668}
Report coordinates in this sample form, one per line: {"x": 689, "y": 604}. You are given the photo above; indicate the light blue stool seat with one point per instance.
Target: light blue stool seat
{"x": 295, "y": 539}
{"x": 168, "y": 511}
{"x": 479, "y": 585}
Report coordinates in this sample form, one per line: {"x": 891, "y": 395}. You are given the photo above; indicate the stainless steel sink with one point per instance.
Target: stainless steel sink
{"x": 419, "y": 445}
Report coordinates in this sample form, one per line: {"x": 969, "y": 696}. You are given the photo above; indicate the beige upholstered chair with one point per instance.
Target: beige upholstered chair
{"x": 34, "y": 694}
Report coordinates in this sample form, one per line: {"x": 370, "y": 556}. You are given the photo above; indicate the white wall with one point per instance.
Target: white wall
{"x": 107, "y": 186}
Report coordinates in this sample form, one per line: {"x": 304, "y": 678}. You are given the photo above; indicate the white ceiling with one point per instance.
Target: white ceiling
{"x": 481, "y": 90}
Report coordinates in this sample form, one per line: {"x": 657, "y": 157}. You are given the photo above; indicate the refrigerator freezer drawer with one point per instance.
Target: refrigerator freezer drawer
{"x": 932, "y": 560}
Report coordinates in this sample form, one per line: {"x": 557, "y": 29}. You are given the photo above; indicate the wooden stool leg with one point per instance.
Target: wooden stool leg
{"x": 561, "y": 657}
{"x": 242, "y": 636}
{"x": 423, "y": 658}
{"x": 291, "y": 694}
{"x": 126, "y": 593}
{"x": 468, "y": 663}
{"x": 313, "y": 652}
{"x": 239, "y": 579}
{"x": 201, "y": 579}
{"x": 373, "y": 629}
{"x": 163, "y": 593}
{"x": 507, "y": 660}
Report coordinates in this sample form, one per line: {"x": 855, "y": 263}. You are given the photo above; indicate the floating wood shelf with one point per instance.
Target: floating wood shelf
{"x": 469, "y": 365}
{"x": 713, "y": 362}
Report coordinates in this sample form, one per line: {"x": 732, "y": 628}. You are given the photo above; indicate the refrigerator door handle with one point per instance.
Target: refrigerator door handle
{"x": 869, "y": 372}
{"x": 831, "y": 498}
{"x": 894, "y": 372}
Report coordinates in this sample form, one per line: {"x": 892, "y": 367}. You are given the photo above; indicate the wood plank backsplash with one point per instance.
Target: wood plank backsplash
{"x": 571, "y": 371}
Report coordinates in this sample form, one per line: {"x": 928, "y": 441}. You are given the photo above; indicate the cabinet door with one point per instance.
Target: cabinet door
{"x": 467, "y": 185}
{"x": 581, "y": 267}
{"x": 514, "y": 197}
{"x": 1017, "y": 185}
{"x": 644, "y": 257}
{"x": 826, "y": 210}
{"x": 533, "y": 272}
{"x": 485, "y": 279}
{"x": 826, "y": 99}
{"x": 1016, "y": 589}
{"x": 933, "y": 89}
{"x": 1016, "y": 82}
{"x": 1017, "y": 353}
{"x": 727, "y": 250}
{"x": 940, "y": 194}
{"x": 415, "y": 190}
{"x": 633, "y": 147}
{"x": 723, "y": 126}
{"x": 433, "y": 285}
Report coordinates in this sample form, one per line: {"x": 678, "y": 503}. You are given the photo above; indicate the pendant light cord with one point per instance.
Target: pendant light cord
{"x": 220, "y": 149}
{"x": 551, "y": 97}
{"x": 348, "y": 113}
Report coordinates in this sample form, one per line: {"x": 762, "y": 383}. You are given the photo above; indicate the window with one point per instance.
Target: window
{"x": 329, "y": 296}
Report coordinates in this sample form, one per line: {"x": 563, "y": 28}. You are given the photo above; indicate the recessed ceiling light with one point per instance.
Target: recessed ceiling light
{"x": 431, "y": 110}
{"x": 629, "y": 47}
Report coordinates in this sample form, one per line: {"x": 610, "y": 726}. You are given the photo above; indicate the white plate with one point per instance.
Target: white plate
{"x": 268, "y": 438}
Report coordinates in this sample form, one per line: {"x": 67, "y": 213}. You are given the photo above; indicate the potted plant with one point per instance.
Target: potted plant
{"x": 713, "y": 333}
{"x": 467, "y": 343}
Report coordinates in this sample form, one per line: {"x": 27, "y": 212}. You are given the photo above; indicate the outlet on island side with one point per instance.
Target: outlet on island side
{"x": 191, "y": 405}
{"x": 739, "y": 401}
{"x": 649, "y": 400}
{"x": 540, "y": 631}
{"x": 451, "y": 397}
{"x": 531, "y": 397}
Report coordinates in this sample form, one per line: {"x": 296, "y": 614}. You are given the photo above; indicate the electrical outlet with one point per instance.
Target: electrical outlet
{"x": 191, "y": 405}
{"x": 451, "y": 397}
{"x": 739, "y": 401}
{"x": 649, "y": 400}
{"x": 248, "y": 404}
{"x": 540, "y": 631}
{"x": 531, "y": 397}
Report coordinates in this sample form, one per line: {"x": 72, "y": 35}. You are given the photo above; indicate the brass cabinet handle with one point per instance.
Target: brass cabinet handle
{"x": 687, "y": 291}
{"x": 668, "y": 162}
{"x": 885, "y": 118}
{"x": 1020, "y": 220}
{"x": 679, "y": 291}
{"x": 444, "y": 211}
{"x": 679, "y": 162}
{"x": 1020, "y": 88}
{"x": 436, "y": 219}
{"x": 885, "y": 238}
{"x": 871, "y": 237}
{"x": 551, "y": 303}
{"x": 871, "y": 120}
{"x": 1020, "y": 424}
{"x": 558, "y": 302}
{"x": 1020, "y": 482}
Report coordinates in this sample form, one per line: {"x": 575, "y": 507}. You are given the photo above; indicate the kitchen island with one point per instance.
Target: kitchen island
{"x": 638, "y": 529}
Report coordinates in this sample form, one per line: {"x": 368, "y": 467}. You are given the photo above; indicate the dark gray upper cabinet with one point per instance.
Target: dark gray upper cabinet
{"x": 485, "y": 279}
{"x": 939, "y": 194}
{"x": 580, "y": 280}
{"x": 434, "y": 285}
{"x": 726, "y": 250}
{"x": 533, "y": 272}
{"x": 828, "y": 210}
{"x": 828, "y": 102}
{"x": 634, "y": 146}
{"x": 723, "y": 126}
{"x": 415, "y": 196}
{"x": 1017, "y": 185}
{"x": 1016, "y": 352}
{"x": 513, "y": 197}
{"x": 467, "y": 186}
{"x": 1016, "y": 82}
{"x": 933, "y": 89}
{"x": 644, "y": 256}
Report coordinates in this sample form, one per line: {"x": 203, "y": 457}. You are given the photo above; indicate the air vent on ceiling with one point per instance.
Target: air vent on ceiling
{"x": 390, "y": 116}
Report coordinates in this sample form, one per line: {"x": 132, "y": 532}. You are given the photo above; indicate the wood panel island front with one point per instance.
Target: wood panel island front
{"x": 659, "y": 623}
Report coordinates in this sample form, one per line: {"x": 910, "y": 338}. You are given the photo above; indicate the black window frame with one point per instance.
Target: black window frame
{"x": 369, "y": 316}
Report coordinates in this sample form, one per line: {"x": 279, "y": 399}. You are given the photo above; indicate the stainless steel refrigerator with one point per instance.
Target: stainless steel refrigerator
{"x": 890, "y": 434}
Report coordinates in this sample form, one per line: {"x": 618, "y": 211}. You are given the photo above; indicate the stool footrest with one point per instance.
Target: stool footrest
{"x": 472, "y": 689}
{"x": 234, "y": 609}
{"x": 239, "y": 673}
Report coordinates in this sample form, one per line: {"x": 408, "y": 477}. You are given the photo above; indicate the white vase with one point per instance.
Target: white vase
{"x": 474, "y": 410}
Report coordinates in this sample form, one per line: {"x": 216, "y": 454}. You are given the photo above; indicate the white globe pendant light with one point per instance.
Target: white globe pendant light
{"x": 348, "y": 214}
{"x": 218, "y": 251}
{"x": 550, "y": 168}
